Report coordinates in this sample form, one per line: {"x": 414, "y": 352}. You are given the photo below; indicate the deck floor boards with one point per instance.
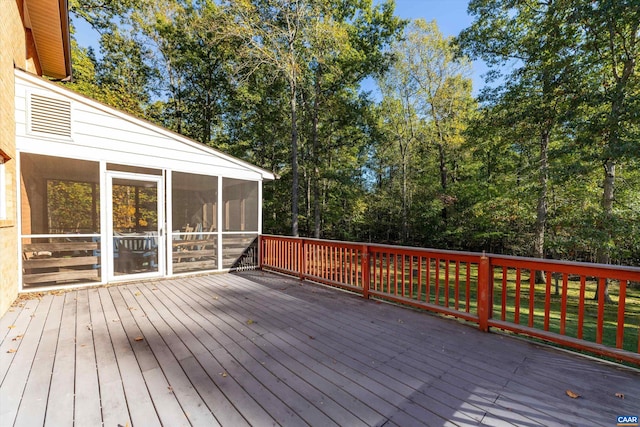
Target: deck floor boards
{"x": 37, "y": 387}
{"x": 258, "y": 349}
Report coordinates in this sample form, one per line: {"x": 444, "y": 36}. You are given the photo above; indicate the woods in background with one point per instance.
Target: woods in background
{"x": 544, "y": 162}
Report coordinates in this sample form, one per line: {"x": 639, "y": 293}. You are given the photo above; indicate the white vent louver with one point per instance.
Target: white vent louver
{"x": 50, "y": 116}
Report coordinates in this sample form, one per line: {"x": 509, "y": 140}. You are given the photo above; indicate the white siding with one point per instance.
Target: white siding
{"x": 102, "y": 133}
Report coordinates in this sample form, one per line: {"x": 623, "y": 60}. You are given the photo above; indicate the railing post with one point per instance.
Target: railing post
{"x": 301, "y": 258}
{"x": 484, "y": 292}
{"x": 365, "y": 267}
{"x": 260, "y": 251}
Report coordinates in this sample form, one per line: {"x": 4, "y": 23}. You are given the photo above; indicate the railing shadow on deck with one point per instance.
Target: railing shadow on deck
{"x": 568, "y": 307}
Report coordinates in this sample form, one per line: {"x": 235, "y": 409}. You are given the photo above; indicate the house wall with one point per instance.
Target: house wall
{"x": 12, "y": 53}
{"x": 99, "y": 132}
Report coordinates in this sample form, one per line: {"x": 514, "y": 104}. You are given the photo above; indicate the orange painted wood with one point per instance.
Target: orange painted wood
{"x": 621, "y": 305}
{"x": 503, "y": 313}
{"x": 484, "y": 300}
{"x": 600, "y": 324}
{"x": 516, "y": 315}
{"x": 457, "y": 286}
{"x": 563, "y": 313}
{"x": 583, "y": 284}
{"x": 547, "y": 300}
{"x": 532, "y": 295}
{"x": 468, "y": 289}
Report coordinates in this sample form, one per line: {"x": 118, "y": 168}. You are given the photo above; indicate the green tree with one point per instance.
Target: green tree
{"x": 427, "y": 104}
{"x": 534, "y": 37}
{"x": 347, "y": 44}
{"x": 273, "y": 32}
{"x": 611, "y": 48}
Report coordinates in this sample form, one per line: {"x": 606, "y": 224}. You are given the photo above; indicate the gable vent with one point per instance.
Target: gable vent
{"x": 50, "y": 116}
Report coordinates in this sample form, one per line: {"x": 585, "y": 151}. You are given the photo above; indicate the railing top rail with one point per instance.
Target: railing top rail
{"x": 575, "y": 265}
{"x": 588, "y": 268}
{"x": 377, "y": 245}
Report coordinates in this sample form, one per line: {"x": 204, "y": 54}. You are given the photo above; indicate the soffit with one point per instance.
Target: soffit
{"x": 49, "y": 23}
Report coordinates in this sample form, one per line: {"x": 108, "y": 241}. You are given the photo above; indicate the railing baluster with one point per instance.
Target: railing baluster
{"x": 388, "y": 256}
{"x": 503, "y": 314}
{"x": 622, "y": 296}
{"x": 467, "y": 296}
{"x": 532, "y": 294}
{"x": 436, "y": 297}
{"x": 419, "y": 285}
{"x": 446, "y": 283}
{"x": 411, "y": 292}
{"x": 403, "y": 277}
{"x": 395, "y": 273}
{"x": 583, "y": 285}
{"x": 563, "y": 312}
{"x": 516, "y": 313}
{"x": 547, "y": 301}
{"x": 601, "y": 296}
{"x": 457, "y": 286}
{"x": 428, "y": 281}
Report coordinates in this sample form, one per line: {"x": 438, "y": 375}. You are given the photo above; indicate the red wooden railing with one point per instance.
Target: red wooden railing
{"x": 490, "y": 290}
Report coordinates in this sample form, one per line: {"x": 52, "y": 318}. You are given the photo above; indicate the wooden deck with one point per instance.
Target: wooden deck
{"x": 259, "y": 349}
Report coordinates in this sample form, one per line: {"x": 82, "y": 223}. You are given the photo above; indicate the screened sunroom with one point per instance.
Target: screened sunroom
{"x": 107, "y": 197}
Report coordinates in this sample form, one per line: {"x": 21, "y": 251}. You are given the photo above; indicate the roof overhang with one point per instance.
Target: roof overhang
{"x": 49, "y": 24}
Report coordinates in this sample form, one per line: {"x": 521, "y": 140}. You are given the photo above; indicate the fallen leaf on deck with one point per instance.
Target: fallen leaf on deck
{"x": 17, "y": 337}
{"x": 115, "y": 320}
{"x": 137, "y": 294}
{"x": 311, "y": 337}
{"x": 11, "y": 350}
{"x": 131, "y": 308}
{"x": 224, "y": 374}
{"x": 170, "y": 389}
{"x": 620, "y": 395}
{"x": 249, "y": 322}
{"x": 572, "y": 394}
{"x": 12, "y": 326}
{"x": 138, "y": 338}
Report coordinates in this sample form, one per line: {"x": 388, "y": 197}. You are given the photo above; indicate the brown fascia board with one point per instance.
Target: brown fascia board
{"x": 51, "y": 35}
{"x": 66, "y": 35}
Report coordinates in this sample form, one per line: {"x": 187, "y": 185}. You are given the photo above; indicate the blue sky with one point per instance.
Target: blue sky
{"x": 451, "y": 15}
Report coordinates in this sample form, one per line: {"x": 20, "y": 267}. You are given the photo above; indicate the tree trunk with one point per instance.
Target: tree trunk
{"x": 405, "y": 220}
{"x": 294, "y": 161}
{"x": 308, "y": 185}
{"x": 316, "y": 159}
{"x": 208, "y": 117}
{"x": 603, "y": 254}
{"x": 541, "y": 212}
{"x": 443, "y": 177}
